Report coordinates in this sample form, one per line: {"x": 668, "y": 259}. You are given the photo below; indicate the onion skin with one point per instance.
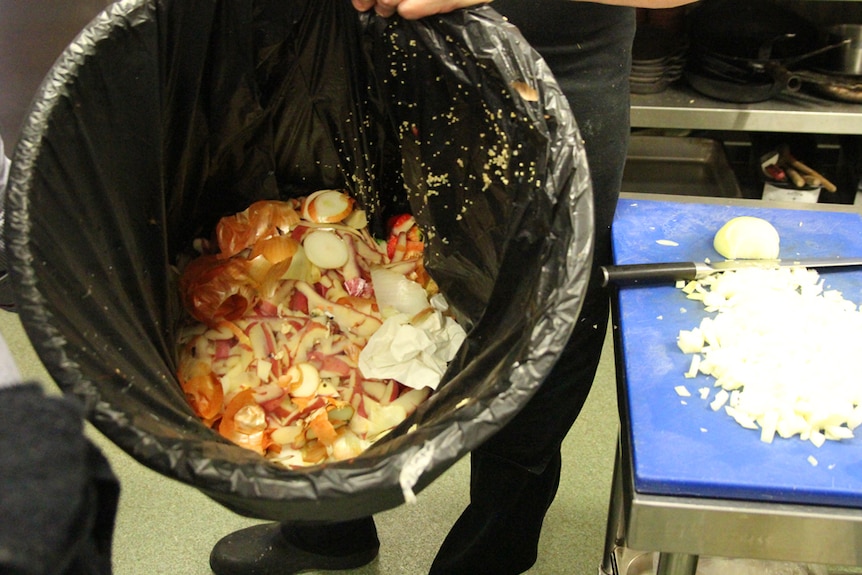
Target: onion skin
{"x": 262, "y": 219}
{"x": 204, "y": 393}
{"x": 229, "y": 428}
{"x": 394, "y": 290}
{"x": 275, "y": 249}
{"x": 213, "y": 289}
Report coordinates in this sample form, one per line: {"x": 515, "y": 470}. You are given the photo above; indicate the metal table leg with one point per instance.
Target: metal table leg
{"x": 668, "y": 563}
{"x": 614, "y": 533}
{"x": 676, "y": 564}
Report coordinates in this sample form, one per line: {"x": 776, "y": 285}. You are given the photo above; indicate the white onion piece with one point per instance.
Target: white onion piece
{"x": 682, "y": 391}
{"x": 325, "y": 249}
{"x": 394, "y": 290}
{"x": 747, "y": 237}
{"x": 327, "y": 206}
{"x": 780, "y": 349}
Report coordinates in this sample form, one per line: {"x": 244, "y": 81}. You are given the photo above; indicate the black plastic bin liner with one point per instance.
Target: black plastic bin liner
{"x": 163, "y": 116}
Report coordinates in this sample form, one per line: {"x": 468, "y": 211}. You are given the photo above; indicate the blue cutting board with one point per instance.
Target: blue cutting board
{"x": 680, "y": 445}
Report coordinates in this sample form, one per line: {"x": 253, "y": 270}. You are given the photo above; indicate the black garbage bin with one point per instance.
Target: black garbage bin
{"x": 163, "y": 116}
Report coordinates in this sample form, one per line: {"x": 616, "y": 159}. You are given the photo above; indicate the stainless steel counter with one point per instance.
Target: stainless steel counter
{"x": 681, "y": 107}
{"x": 33, "y": 33}
{"x": 686, "y": 528}
{"x": 740, "y": 498}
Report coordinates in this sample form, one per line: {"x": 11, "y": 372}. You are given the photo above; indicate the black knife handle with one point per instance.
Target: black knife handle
{"x": 648, "y": 273}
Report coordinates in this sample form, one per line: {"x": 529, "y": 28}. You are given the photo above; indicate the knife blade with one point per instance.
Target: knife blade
{"x": 673, "y": 271}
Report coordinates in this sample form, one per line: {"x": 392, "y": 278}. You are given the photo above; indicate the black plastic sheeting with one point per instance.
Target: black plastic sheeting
{"x": 163, "y": 116}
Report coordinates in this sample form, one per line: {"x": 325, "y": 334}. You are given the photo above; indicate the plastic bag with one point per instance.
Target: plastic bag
{"x": 163, "y": 116}
{"x": 6, "y": 293}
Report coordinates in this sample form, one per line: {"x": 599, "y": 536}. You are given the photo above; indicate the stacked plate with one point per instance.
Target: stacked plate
{"x": 658, "y": 59}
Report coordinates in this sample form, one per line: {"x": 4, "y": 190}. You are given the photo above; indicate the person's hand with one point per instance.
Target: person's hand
{"x": 413, "y": 9}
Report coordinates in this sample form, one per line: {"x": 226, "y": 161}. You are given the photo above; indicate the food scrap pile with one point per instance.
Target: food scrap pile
{"x": 294, "y": 308}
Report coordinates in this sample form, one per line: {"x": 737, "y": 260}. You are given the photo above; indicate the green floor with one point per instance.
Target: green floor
{"x": 167, "y": 528}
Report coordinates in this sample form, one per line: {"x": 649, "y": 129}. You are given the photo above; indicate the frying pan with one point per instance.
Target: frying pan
{"x": 731, "y": 90}
{"x": 746, "y": 80}
{"x": 744, "y": 51}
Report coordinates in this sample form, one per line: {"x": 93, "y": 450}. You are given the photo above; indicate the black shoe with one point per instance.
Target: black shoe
{"x": 272, "y": 549}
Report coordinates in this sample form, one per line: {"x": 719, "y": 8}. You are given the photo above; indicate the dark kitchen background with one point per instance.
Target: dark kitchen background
{"x": 722, "y": 86}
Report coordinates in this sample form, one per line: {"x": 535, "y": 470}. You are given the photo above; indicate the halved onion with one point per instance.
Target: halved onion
{"x": 327, "y": 206}
{"x": 747, "y": 237}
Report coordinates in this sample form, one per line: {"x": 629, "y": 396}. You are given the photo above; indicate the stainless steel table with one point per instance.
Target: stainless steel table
{"x": 681, "y": 529}
{"x": 758, "y": 502}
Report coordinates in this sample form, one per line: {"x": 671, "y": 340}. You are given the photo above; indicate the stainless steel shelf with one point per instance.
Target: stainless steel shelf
{"x": 680, "y": 107}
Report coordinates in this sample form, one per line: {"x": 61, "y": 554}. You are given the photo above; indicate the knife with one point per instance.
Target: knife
{"x": 673, "y": 271}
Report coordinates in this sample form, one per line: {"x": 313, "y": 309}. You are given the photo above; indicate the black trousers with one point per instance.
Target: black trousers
{"x": 58, "y": 494}
{"x": 515, "y": 474}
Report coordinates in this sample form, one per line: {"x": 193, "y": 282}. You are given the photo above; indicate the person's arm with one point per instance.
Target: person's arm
{"x": 412, "y": 9}
{"x": 644, "y": 3}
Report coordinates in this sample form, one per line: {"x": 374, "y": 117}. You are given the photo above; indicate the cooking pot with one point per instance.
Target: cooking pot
{"x": 847, "y": 57}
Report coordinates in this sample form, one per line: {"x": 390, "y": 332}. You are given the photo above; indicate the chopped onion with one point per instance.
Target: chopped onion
{"x": 778, "y": 348}
{"x": 694, "y": 368}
